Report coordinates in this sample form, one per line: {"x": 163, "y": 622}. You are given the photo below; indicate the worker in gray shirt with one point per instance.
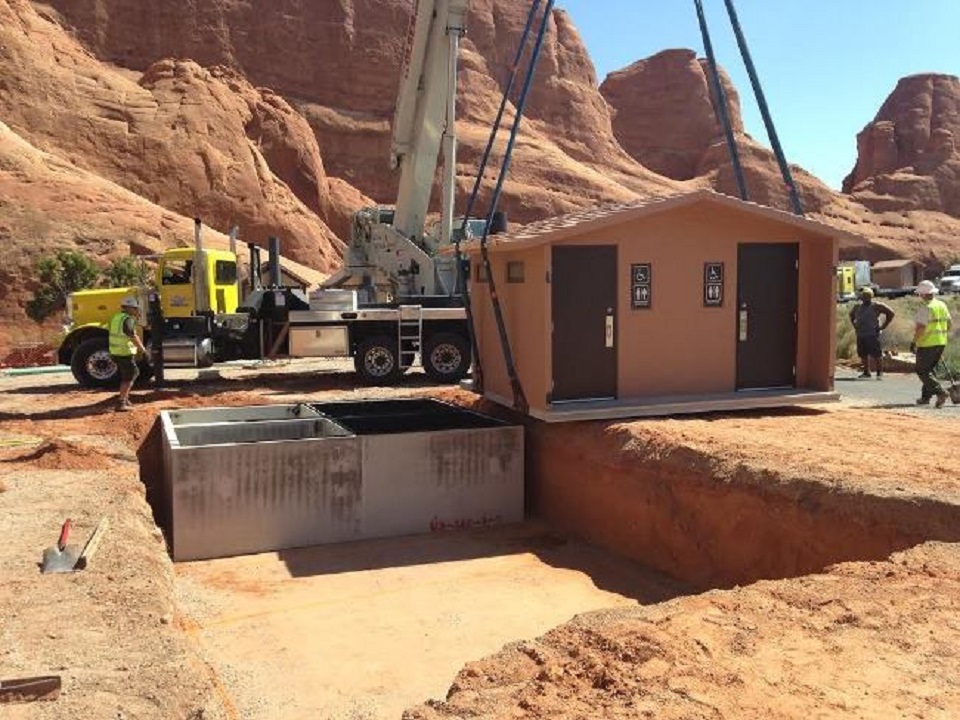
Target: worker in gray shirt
{"x": 866, "y": 318}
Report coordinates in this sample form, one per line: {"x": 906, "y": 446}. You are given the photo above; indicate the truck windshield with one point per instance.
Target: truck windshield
{"x": 177, "y": 272}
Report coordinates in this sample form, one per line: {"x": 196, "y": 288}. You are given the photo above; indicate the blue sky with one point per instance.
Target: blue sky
{"x": 826, "y": 66}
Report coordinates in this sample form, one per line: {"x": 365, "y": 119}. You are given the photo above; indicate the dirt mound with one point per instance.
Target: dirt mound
{"x": 856, "y": 642}
{"x": 29, "y": 356}
{"x": 57, "y": 454}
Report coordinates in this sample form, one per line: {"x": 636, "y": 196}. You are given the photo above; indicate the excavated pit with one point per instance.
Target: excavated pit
{"x": 663, "y": 517}
{"x": 714, "y": 522}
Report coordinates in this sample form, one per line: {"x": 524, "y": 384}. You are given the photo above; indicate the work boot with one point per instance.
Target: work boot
{"x": 124, "y": 406}
{"x": 941, "y": 399}
{"x": 923, "y": 401}
{"x": 863, "y": 375}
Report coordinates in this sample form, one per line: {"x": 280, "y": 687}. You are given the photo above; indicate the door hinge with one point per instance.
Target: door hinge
{"x": 796, "y": 264}
{"x": 548, "y": 277}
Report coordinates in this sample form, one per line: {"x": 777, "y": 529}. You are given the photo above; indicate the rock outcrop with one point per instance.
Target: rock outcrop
{"x": 909, "y": 156}
{"x": 664, "y": 113}
{"x": 196, "y": 141}
{"x": 664, "y": 116}
{"x": 338, "y": 64}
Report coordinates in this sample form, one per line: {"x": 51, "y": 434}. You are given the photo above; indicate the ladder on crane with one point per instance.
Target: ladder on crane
{"x": 409, "y": 334}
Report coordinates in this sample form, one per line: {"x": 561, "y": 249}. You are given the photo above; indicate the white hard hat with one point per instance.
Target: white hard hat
{"x": 927, "y": 288}
{"x": 130, "y": 302}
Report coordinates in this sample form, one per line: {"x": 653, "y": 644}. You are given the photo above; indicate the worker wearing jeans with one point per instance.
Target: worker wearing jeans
{"x": 933, "y": 325}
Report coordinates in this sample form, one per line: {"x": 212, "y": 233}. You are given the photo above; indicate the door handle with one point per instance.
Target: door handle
{"x": 609, "y": 328}
{"x": 743, "y": 323}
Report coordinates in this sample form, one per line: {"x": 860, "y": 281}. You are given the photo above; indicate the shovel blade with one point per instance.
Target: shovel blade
{"x": 56, "y": 560}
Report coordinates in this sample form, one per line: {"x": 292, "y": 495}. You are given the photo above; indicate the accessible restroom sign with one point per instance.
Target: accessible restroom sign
{"x": 713, "y": 284}
{"x": 641, "y": 286}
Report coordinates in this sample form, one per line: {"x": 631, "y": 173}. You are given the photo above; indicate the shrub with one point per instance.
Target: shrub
{"x": 65, "y": 272}
{"x": 125, "y": 272}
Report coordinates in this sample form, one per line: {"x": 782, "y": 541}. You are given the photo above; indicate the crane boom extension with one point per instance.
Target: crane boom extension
{"x": 390, "y": 256}
{"x": 425, "y": 112}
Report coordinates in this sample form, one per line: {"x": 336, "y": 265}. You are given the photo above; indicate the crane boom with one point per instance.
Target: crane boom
{"x": 424, "y": 116}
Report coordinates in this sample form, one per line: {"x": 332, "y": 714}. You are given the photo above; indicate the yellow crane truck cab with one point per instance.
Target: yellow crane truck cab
{"x": 84, "y": 343}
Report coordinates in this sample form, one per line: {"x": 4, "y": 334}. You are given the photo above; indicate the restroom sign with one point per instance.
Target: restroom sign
{"x": 713, "y": 284}
{"x": 641, "y": 286}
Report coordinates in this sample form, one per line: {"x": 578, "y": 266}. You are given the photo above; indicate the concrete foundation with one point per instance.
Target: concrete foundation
{"x": 257, "y": 479}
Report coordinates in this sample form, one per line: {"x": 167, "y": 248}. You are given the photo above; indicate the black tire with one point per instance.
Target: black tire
{"x": 92, "y": 365}
{"x": 446, "y": 357}
{"x": 376, "y": 360}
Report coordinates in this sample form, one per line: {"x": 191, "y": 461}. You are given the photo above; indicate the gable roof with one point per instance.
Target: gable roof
{"x": 893, "y": 264}
{"x": 560, "y": 227}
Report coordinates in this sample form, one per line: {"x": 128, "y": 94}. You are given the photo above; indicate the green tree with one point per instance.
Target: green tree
{"x": 125, "y": 272}
{"x": 65, "y": 272}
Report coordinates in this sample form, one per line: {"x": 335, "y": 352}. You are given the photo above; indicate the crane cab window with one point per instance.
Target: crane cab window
{"x": 177, "y": 272}
{"x": 515, "y": 270}
{"x": 225, "y": 272}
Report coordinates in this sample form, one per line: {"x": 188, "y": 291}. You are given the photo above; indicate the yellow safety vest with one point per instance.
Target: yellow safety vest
{"x": 120, "y": 344}
{"x": 935, "y": 332}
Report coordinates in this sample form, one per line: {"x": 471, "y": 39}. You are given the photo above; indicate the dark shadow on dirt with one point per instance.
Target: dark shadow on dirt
{"x": 606, "y": 570}
{"x": 102, "y": 407}
{"x": 212, "y": 385}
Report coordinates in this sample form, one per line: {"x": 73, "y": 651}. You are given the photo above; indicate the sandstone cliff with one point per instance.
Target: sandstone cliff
{"x": 196, "y": 141}
{"x": 909, "y": 156}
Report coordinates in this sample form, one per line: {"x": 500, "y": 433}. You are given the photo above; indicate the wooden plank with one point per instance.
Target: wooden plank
{"x": 90, "y": 549}
{"x": 32, "y": 689}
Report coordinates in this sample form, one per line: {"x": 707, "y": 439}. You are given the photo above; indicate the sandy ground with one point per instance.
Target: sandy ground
{"x": 359, "y": 631}
{"x": 366, "y": 629}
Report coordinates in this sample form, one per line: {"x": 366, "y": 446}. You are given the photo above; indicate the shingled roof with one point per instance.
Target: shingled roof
{"x": 559, "y": 227}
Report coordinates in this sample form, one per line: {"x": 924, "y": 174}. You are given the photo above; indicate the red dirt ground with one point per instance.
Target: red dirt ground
{"x": 863, "y": 639}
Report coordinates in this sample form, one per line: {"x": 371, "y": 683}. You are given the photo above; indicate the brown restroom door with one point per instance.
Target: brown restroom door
{"x": 584, "y": 298}
{"x": 767, "y": 315}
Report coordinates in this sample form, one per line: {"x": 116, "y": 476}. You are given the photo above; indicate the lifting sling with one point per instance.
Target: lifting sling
{"x": 461, "y": 270}
{"x": 519, "y": 398}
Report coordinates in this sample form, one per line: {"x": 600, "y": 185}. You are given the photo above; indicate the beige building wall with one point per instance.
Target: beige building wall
{"x": 525, "y": 307}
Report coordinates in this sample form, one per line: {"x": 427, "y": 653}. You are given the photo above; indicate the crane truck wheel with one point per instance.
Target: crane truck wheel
{"x": 376, "y": 360}
{"x": 446, "y": 357}
{"x": 92, "y": 365}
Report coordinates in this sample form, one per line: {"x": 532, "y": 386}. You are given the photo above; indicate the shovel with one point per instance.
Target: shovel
{"x": 60, "y": 558}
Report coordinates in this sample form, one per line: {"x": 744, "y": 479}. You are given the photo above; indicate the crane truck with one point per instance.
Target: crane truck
{"x": 395, "y": 301}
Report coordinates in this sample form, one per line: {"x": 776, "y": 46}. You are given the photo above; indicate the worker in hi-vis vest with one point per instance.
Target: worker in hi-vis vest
{"x": 124, "y": 345}
{"x": 933, "y": 325}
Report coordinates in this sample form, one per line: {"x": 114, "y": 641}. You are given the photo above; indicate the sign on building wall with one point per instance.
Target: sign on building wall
{"x": 641, "y": 286}
{"x": 713, "y": 284}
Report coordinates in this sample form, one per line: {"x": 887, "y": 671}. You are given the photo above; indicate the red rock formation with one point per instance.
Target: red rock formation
{"x": 338, "y": 63}
{"x": 196, "y": 141}
{"x": 909, "y": 156}
{"x": 664, "y": 112}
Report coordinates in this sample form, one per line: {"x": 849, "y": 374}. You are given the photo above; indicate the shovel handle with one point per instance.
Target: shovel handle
{"x": 64, "y": 535}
